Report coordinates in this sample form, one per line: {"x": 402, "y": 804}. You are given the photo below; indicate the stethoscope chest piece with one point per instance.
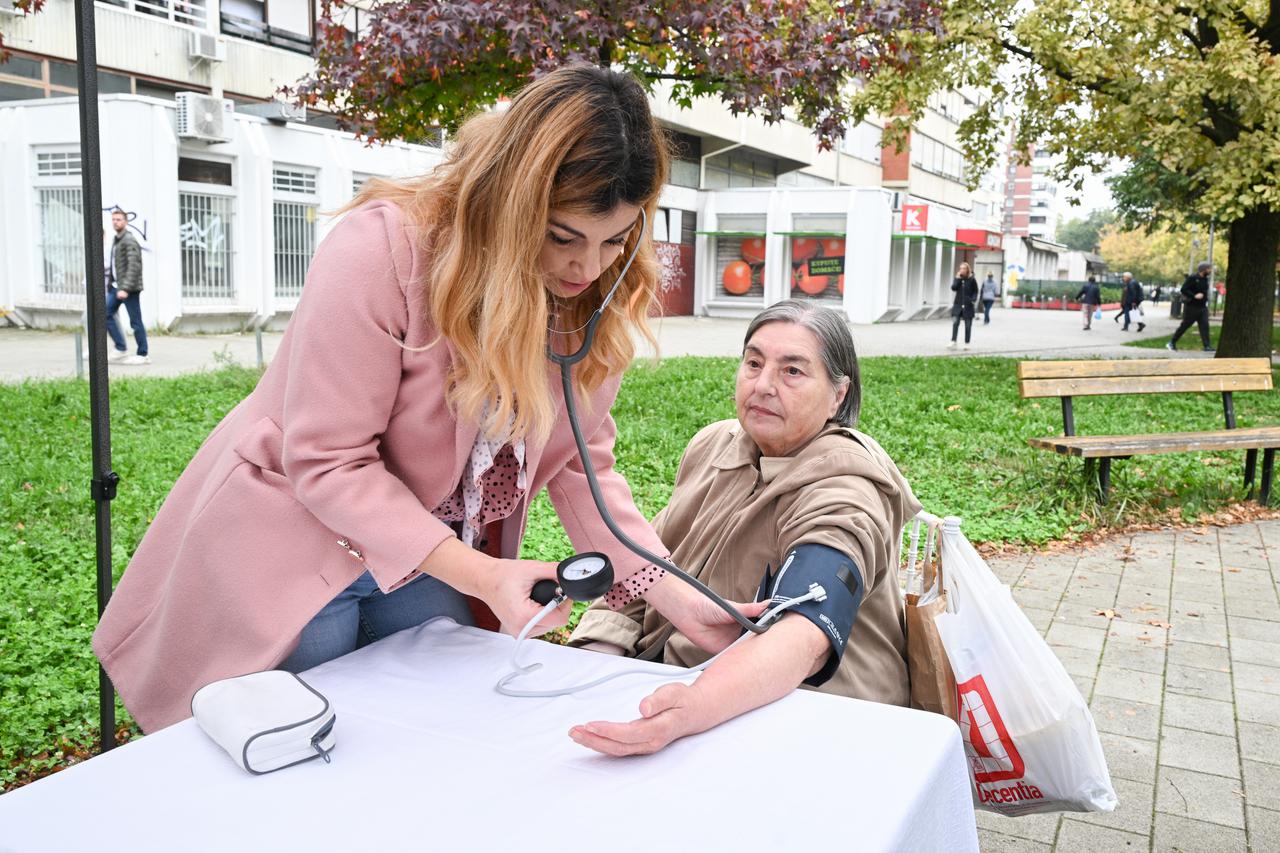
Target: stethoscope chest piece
{"x": 582, "y": 577}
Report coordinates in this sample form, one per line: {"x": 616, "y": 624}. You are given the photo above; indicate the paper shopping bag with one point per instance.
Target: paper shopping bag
{"x": 933, "y": 687}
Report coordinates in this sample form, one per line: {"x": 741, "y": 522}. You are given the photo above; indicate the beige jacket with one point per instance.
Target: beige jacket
{"x": 733, "y": 513}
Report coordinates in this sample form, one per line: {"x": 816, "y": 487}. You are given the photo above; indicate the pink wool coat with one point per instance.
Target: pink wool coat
{"x": 347, "y": 437}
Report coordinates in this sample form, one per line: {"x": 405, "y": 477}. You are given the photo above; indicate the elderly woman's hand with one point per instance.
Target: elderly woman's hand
{"x": 700, "y": 619}
{"x": 669, "y": 713}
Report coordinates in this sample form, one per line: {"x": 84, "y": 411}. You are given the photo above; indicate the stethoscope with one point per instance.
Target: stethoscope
{"x": 588, "y": 576}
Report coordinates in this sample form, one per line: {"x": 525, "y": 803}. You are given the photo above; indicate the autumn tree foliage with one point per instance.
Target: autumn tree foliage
{"x": 1160, "y": 255}
{"x": 421, "y": 64}
{"x": 1187, "y": 90}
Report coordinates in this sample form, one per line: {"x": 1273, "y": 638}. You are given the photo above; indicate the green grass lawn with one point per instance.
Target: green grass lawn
{"x": 1191, "y": 338}
{"x": 955, "y": 426}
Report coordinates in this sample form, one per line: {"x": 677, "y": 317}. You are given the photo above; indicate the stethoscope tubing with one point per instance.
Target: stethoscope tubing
{"x": 566, "y": 362}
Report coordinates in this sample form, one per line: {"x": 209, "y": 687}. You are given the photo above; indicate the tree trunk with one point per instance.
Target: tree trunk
{"x": 1251, "y": 284}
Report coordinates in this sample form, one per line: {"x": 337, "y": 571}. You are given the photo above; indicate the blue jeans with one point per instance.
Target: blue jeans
{"x": 362, "y": 614}
{"x": 133, "y": 305}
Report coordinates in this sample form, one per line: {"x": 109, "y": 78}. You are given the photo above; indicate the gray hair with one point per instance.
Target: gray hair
{"x": 1204, "y": 265}
{"x": 834, "y": 341}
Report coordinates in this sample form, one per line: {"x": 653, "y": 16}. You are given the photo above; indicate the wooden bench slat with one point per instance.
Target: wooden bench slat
{"x": 1099, "y": 446}
{"x": 1168, "y": 384}
{"x": 1141, "y": 367}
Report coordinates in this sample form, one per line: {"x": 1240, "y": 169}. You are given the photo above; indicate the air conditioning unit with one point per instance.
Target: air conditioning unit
{"x": 202, "y": 117}
{"x": 208, "y": 47}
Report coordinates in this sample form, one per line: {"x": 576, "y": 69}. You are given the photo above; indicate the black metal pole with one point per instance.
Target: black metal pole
{"x": 103, "y": 483}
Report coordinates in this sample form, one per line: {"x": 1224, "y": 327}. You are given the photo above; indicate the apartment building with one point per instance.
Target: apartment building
{"x": 753, "y": 213}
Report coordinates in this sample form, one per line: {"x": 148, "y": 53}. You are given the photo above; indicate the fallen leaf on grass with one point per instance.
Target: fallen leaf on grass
{"x": 953, "y": 407}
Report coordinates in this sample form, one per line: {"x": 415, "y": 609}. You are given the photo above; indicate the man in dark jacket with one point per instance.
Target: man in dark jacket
{"x": 124, "y": 287}
{"x": 1090, "y": 297}
{"x": 1195, "y": 306}
{"x": 1131, "y": 300}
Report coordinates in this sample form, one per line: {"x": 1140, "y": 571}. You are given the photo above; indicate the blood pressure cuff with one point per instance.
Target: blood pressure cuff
{"x": 839, "y": 576}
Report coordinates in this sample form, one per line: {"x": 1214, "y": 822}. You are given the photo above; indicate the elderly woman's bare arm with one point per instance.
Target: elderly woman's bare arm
{"x": 760, "y": 670}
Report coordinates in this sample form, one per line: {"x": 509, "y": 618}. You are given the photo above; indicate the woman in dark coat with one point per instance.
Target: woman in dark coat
{"x": 965, "y": 287}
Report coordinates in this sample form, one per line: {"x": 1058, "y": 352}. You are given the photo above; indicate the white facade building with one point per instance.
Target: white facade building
{"x": 227, "y": 229}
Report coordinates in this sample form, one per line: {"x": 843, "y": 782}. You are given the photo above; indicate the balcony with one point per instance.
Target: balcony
{"x": 257, "y": 31}
{"x": 190, "y": 13}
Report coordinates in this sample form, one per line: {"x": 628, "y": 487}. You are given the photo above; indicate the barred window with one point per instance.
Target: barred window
{"x": 294, "y": 227}
{"x": 61, "y": 250}
{"x": 206, "y": 248}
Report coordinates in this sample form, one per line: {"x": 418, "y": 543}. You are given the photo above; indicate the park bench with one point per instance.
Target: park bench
{"x": 1070, "y": 379}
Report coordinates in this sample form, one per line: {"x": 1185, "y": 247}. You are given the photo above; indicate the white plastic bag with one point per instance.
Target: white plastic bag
{"x": 1028, "y": 734}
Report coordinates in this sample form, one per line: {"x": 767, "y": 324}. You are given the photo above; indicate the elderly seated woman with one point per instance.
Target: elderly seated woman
{"x": 786, "y": 495}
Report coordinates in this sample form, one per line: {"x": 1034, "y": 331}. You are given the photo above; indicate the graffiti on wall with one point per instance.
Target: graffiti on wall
{"x": 209, "y": 238}
{"x": 670, "y": 272}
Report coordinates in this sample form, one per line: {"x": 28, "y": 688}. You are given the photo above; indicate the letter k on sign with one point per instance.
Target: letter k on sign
{"x": 915, "y": 218}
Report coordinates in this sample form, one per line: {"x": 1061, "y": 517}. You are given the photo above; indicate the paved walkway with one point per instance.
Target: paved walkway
{"x": 1184, "y": 683}
{"x": 26, "y": 354}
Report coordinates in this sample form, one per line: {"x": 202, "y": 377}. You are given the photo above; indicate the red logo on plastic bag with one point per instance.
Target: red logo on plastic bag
{"x": 991, "y": 750}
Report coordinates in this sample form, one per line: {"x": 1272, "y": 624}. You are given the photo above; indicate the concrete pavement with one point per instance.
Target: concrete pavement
{"x": 1174, "y": 638}
{"x": 27, "y": 354}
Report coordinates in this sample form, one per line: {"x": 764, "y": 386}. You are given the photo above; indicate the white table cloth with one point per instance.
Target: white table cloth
{"x": 430, "y": 758}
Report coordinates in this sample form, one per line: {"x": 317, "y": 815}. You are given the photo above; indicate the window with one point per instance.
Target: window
{"x": 294, "y": 220}
{"x": 60, "y": 212}
{"x": 933, "y": 156}
{"x": 1037, "y": 220}
{"x": 686, "y": 153}
{"x": 206, "y": 219}
{"x": 197, "y": 171}
{"x": 57, "y": 164}
{"x": 802, "y": 179}
{"x": 864, "y": 142}
{"x": 740, "y": 259}
{"x": 22, "y": 78}
{"x": 817, "y": 257}
{"x": 358, "y": 180}
{"x": 741, "y": 168}
{"x": 287, "y": 180}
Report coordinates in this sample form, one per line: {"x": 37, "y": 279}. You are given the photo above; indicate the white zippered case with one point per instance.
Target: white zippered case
{"x": 266, "y": 720}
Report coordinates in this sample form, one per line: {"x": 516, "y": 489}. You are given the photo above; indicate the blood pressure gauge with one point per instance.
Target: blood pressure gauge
{"x": 582, "y": 577}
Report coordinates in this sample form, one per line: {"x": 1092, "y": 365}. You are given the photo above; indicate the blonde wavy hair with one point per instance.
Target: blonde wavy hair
{"x": 580, "y": 139}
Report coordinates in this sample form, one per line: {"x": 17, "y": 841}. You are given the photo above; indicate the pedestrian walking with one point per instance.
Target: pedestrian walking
{"x": 965, "y": 288}
{"x": 1090, "y": 297}
{"x": 990, "y": 290}
{"x": 1195, "y": 307}
{"x": 124, "y": 287}
{"x": 1131, "y": 302}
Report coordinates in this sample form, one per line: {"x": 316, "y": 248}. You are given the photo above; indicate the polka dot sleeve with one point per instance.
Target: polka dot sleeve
{"x": 624, "y": 592}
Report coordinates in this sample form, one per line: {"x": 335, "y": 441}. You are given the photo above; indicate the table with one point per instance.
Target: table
{"x": 430, "y": 757}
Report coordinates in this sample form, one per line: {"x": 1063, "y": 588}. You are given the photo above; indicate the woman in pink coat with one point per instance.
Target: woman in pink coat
{"x": 383, "y": 468}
